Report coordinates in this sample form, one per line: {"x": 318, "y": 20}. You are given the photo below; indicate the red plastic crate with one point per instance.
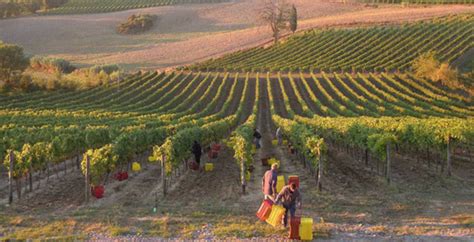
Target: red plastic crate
{"x": 265, "y": 210}
{"x": 294, "y": 179}
{"x": 98, "y": 191}
{"x": 295, "y": 227}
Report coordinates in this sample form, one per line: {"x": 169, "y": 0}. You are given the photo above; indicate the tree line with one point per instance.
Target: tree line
{"x": 15, "y": 8}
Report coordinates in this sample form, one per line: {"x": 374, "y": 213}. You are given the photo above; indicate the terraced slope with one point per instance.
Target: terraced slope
{"x": 387, "y": 48}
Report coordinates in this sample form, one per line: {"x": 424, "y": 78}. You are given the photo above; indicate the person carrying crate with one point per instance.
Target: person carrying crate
{"x": 269, "y": 183}
{"x": 290, "y": 198}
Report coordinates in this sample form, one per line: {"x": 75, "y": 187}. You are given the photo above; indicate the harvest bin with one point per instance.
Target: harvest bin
{"x": 136, "y": 166}
{"x": 275, "y": 216}
{"x": 306, "y": 229}
{"x": 280, "y": 183}
{"x": 208, "y": 167}
{"x": 98, "y": 191}
{"x": 295, "y": 227}
{"x": 294, "y": 179}
{"x": 265, "y": 209}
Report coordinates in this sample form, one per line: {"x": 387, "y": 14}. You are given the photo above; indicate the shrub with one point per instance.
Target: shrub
{"x": 136, "y": 24}
{"x": 51, "y": 65}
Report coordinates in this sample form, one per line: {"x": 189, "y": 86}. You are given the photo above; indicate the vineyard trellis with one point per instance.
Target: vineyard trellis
{"x": 108, "y": 127}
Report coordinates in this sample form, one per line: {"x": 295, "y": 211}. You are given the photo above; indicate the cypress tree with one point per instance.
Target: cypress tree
{"x": 293, "y": 19}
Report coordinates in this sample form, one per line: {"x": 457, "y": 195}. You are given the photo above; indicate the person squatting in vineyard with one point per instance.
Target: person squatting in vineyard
{"x": 197, "y": 151}
{"x": 269, "y": 182}
{"x": 279, "y": 135}
{"x": 257, "y": 136}
{"x": 290, "y": 197}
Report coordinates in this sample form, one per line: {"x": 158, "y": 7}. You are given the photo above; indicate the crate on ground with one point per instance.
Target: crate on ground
{"x": 193, "y": 165}
{"x": 295, "y": 227}
{"x": 280, "y": 183}
{"x": 274, "y": 142}
{"x": 212, "y": 154}
{"x": 306, "y": 229}
{"x": 294, "y": 179}
{"x": 136, "y": 167}
{"x": 209, "y": 167}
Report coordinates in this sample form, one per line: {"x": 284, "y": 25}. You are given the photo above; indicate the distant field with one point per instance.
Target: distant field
{"x": 103, "y": 6}
{"x": 360, "y": 49}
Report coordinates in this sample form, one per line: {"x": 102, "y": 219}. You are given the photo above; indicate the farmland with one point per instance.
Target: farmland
{"x": 151, "y": 110}
{"x": 96, "y": 6}
{"x": 362, "y": 49}
{"x": 382, "y": 147}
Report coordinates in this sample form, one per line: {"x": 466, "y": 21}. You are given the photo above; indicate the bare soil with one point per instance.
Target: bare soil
{"x": 185, "y": 34}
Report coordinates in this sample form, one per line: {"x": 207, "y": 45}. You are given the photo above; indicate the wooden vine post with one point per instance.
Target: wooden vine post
{"x": 30, "y": 176}
{"x": 10, "y": 178}
{"x": 388, "y": 163}
{"x": 242, "y": 175}
{"x": 448, "y": 156}
{"x": 163, "y": 174}
{"x": 87, "y": 179}
{"x": 320, "y": 173}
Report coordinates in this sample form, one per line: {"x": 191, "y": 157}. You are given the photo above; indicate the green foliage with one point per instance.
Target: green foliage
{"x": 303, "y": 139}
{"x": 136, "y": 24}
{"x": 15, "y": 8}
{"x": 357, "y": 49}
{"x": 19, "y": 167}
{"x": 101, "y": 162}
{"x": 12, "y": 63}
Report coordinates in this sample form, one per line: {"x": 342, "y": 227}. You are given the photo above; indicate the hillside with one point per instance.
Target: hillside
{"x": 381, "y": 146}
{"x": 185, "y": 34}
{"x": 170, "y": 110}
{"x": 387, "y": 48}
{"x": 103, "y": 6}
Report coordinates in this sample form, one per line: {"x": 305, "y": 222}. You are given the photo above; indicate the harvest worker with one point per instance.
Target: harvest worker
{"x": 289, "y": 197}
{"x": 257, "y": 137}
{"x": 279, "y": 135}
{"x": 197, "y": 152}
{"x": 269, "y": 182}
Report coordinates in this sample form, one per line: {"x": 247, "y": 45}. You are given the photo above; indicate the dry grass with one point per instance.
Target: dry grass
{"x": 186, "y": 33}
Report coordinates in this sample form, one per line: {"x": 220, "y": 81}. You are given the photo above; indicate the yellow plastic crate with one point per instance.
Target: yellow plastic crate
{"x": 275, "y": 216}
{"x": 136, "y": 166}
{"x": 208, "y": 166}
{"x": 306, "y": 229}
{"x": 280, "y": 183}
{"x": 274, "y": 142}
{"x": 274, "y": 160}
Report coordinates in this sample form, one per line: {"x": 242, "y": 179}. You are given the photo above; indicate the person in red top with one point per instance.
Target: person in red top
{"x": 269, "y": 182}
